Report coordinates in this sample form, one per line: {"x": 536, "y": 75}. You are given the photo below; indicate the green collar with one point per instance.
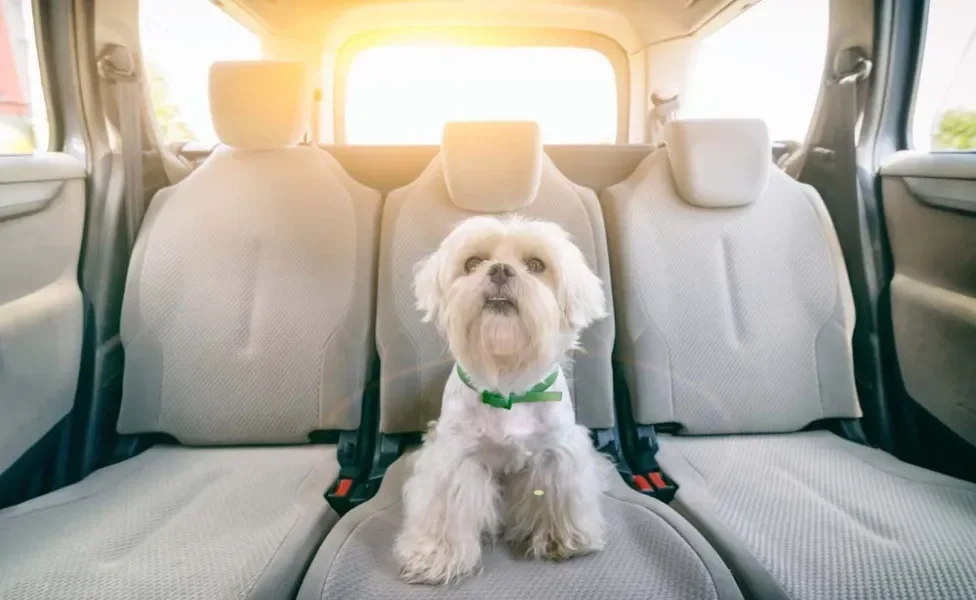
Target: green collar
{"x": 538, "y": 393}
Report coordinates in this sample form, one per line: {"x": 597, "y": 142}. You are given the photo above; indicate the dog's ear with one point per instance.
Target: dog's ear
{"x": 427, "y": 285}
{"x": 582, "y": 291}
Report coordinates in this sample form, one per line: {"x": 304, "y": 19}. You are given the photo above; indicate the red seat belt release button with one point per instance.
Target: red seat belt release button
{"x": 342, "y": 488}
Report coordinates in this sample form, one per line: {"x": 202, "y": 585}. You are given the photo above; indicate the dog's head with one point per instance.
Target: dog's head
{"x": 509, "y": 295}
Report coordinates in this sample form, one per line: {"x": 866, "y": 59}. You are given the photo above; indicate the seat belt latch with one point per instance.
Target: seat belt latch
{"x": 656, "y": 484}
{"x": 346, "y": 494}
{"x": 349, "y": 489}
{"x": 648, "y": 477}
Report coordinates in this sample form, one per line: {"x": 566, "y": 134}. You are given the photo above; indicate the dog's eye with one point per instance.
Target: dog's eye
{"x": 534, "y": 265}
{"x": 472, "y": 263}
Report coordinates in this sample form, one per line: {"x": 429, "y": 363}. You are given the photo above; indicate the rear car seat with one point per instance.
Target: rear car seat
{"x": 247, "y": 319}
{"x": 652, "y": 552}
{"x": 735, "y": 317}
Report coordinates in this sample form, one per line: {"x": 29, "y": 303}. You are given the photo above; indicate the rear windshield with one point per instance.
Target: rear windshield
{"x": 402, "y": 94}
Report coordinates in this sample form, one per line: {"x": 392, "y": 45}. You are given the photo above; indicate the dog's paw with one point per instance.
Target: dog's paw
{"x": 557, "y": 544}
{"x": 436, "y": 561}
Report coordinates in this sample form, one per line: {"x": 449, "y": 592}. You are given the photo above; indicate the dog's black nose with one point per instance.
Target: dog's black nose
{"x": 499, "y": 273}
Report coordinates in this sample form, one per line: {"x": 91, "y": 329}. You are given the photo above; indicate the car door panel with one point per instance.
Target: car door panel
{"x": 42, "y": 211}
{"x": 930, "y": 209}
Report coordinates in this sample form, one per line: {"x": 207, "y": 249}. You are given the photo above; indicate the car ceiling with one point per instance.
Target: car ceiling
{"x": 631, "y": 23}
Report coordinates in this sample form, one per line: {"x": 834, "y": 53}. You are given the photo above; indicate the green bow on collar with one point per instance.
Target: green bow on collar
{"x": 538, "y": 393}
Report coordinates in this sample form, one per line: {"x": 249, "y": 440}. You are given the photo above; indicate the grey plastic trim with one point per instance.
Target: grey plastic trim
{"x": 22, "y": 199}
{"x": 933, "y": 165}
{"x": 43, "y": 166}
{"x": 952, "y": 194}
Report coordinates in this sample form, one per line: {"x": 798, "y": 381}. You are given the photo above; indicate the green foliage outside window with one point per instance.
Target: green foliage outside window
{"x": 956, "y": 130}
{"x": 169, "y": 118}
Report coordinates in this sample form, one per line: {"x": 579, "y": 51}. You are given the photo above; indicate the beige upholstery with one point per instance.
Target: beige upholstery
{"x": 173, "y": 524}
{"x": 652, "y": 553}
{"x": 247, "y": 319}
{"x": 719, "y": 163}
{"x": 811, "y": 516}
{"x": 736, "y": 318}
{"x": 248, "y": 306}
{"x": 731, "y": 320}
{"x": 415, "y": 360}
{"x": 248, "y": 309}
{"x": 259, "y": 105}
{"x": 492, "y": 167}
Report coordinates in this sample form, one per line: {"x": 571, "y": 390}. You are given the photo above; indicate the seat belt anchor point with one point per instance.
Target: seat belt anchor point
{"x": 116, "y": 63}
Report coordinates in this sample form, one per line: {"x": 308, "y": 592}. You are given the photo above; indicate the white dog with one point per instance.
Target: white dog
{"x": 511, "y": 297}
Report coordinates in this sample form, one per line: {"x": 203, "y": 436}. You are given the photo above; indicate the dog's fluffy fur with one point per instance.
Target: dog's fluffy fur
{"x": 530, "y": 472}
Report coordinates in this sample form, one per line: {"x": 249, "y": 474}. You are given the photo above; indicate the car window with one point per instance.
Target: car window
{"x": 768, "y": 63}
{"x": 23, "y": 112}
{"x": 944, "y": 113}
{"x": 181, "y": 39}
{"x": 403, "y": 94}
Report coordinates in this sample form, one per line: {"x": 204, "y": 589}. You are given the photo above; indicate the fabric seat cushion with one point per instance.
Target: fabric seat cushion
{"x": 174, "y": 523}
{"x": 652, "y": 553}
{"x": 813, "y": 516}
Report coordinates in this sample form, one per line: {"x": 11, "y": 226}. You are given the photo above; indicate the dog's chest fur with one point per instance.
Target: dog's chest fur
{"x": 503, "y": 436}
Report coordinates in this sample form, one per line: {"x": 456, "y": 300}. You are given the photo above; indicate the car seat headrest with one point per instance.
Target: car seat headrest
{"x": 492, "y": 167}
{"x": 260, "y": 105}
{"x": 719, "y": 163}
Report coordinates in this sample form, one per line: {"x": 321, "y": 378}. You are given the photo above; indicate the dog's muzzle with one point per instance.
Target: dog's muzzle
{"x": 500, "y": 302}
{"x": 498, "y": 298}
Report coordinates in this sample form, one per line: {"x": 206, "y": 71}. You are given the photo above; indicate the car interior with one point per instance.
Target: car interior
{"x": 213, "y": 371}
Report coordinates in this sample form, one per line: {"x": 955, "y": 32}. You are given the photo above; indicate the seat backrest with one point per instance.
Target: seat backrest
{"x": 490, "y": 168}
{"x": 248, "y": 307}
{"x": 733, "y": 306}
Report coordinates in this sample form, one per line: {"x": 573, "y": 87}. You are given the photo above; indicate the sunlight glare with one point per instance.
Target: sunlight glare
{"x": 403, "y": 94}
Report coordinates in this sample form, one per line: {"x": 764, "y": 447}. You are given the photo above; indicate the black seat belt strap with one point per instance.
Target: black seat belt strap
{"x": 117, "y": 66}
{"x": 830, "y": 165}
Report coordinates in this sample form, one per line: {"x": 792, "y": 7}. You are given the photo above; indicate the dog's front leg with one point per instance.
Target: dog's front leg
{"x": 552, "y": 506}
{"x": 449, "y": 501}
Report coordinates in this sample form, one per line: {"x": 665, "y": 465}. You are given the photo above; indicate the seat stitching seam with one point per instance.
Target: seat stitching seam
{"x": 683, "y": 539}
{"x": 837, "y": 292}
{"x": 651, "y": 322}
{"x": 580, "y": 196}
{"x": 93, "y": 494}
{"x": 321, "y": 378}
{"x": 343, "y": 322}
{"x": 352, "y": 532}
{"x": 694, "y": 467}
{"x": 247, "y": 590}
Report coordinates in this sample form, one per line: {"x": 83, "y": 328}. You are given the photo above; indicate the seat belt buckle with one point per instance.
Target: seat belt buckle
{"x": 346, "y": 494}
{"x": 338, "y": 496}
{"x": 648, "y": 477}
{"x": 655, "y": 483}
{"x": 347, "y": 491}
